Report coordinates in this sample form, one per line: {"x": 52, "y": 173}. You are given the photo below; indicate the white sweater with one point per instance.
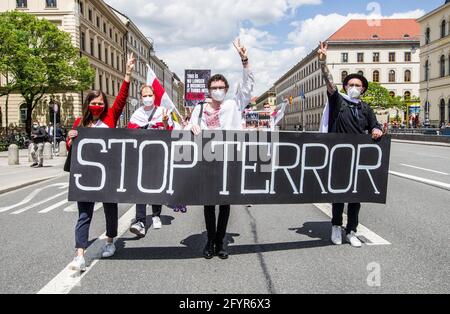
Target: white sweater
{"x": 230, "y": 113}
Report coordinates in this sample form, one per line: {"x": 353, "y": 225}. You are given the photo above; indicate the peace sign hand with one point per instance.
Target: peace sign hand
{"x": 243, "y": 52}
{"x": 323, "y": 51}
{"x": 131, "y": 62}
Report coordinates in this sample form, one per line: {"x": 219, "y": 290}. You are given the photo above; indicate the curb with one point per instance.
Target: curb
{"x": 421, "y": 143}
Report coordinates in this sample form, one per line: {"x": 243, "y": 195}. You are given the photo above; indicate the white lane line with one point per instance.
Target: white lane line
{"x": 425, "y": 169}
{"x": 33, "y": 195}
{"x": 434, "y": 183}
{"x": 73, "y": 208}
{"x": 38, "y": 203}
{"x": 363, "y": 231}
{"x": 54, "y": 206}
{"x": 67, "y": 279}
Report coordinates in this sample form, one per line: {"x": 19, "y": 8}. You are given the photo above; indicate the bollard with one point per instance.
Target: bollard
{"x": 62, "y": 149}
{"x": 48, "y": 151}
{"x": 30, "y": 159}
{"x": 13, "y": 155}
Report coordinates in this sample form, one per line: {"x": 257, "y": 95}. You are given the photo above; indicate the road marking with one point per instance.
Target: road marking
{"x": 425, "y": 169}
{"x": 33, "y": 195}
{"x": 38, "y": 203}
{"x": 434, "y": 183}
{"x": 48, "y": 209}
{"x": 67, "y": 279}
{"x": 363, "y": 233}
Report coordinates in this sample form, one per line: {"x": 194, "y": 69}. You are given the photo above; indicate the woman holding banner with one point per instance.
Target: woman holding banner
{"x": 98, "y": 114}
{"x": 222, "y": 114}
{"x": 151, "y": 116}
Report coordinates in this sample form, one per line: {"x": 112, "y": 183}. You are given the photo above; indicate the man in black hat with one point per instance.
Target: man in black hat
{"x": 347, "y": 114}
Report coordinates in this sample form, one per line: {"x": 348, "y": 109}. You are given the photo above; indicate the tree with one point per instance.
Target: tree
{"x": 40, "y": 59}
{"x": 377, "y": 96}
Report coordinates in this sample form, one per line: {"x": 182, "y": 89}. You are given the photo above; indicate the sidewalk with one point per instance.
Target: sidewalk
{"x": 16, "y": 177}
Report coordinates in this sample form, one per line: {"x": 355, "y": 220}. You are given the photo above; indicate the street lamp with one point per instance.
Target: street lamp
{"x": 427, "y": 77}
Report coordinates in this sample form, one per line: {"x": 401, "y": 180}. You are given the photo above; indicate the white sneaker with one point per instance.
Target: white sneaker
{"x": 108, "y": 250}
{"x": 353, "y": 240}
{"x": 336, "y": 235}
{"x": 157, "y": 223}
{"x": 78, "y": 264}
{"x": 138, "y": 228}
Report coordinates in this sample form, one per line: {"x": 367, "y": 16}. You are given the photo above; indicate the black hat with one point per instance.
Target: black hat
{"x": 359, "y": 77}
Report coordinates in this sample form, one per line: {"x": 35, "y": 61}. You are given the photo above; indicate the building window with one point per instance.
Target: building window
{"x": 21, "y": 4}
{"x": 392, "y": 94}
{"x": 99, "y": 46}
{"x": 443, "y": 26}
{"x": 427, "y": 36}
{"x": 115, "y": 35}
{"x": 407, "y": 95}
{"x": 100, "y": 82}
{"x": 104, "y": 28}
{"x": 83, "y": 41}
{"x": 82, "y": 8}
{"x": 112, "y": 59}
{"x": 110, "y": 33}
{"x": 107, "y": 86}
{"x": 360, "y": 57}
{"x": 361, "y": 73}
{"x": 376, "y": 57}
{"x": 442, "y": 66}
{"x": 92, "y": 47}
{"x": 427, "y": 70}
{"x": 117, "y": 62}
{"x": 90, "y": 15}
{"x": 344, "y": 74}
{"x": 391, "y": 56}
{"x": 391, "y": 76}
{"x": 407, "y": 76}
{"x": 442, "y": 112}
{"x": 407, "y": 56}
{"x": 98, "y": 21}
{"x": 23, "y": 113}
{"x": 376, "y": 76}
{"x": 344, "y": 57}
{"x": 50, "y": 3}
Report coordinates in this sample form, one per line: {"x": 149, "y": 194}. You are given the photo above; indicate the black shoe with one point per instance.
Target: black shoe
{"x": 40, "y": 166}
{"x": 34, "y": 165}
{"x": 220, "y": 251}
{"x": 208, "y": 252}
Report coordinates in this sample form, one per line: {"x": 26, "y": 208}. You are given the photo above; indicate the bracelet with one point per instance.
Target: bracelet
{"x": 244, "y": 60}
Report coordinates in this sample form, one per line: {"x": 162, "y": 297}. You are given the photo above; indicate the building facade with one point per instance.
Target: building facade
{"x": 384, "y": 51}
{"x": 435, "y": 66}
{"x": 269, "y": 97}
{"x": 104, "y": 36}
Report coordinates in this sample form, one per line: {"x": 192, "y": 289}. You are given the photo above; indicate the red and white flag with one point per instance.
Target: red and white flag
{"x": 161, "y": 97}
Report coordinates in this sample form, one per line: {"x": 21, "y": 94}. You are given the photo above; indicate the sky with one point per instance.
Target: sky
{"x": 198, "y": 34}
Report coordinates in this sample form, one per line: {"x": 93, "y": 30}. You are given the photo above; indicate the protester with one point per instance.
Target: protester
{"x": 38, "y": 137}
{"x": 222, "y": 114}
{"x": 346, "y": 113}
{"x": 150, "y": 117}
{"x": 98, "y": 114}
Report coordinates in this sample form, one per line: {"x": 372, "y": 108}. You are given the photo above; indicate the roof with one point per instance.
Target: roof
{"x": 378, "y": 30}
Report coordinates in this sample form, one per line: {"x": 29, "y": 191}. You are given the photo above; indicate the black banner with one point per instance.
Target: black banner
{"x": 227, "y": 167}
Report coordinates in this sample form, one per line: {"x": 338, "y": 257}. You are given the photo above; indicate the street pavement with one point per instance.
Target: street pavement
{"x": 274, "y": 248}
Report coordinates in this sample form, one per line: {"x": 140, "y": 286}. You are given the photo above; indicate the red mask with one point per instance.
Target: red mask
{"x": 96, "y": 110}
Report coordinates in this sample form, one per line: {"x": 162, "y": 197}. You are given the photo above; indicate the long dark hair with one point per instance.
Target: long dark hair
{"x": 87, "y": 116}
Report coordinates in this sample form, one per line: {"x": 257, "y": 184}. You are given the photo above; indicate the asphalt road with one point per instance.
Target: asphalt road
{"x": 274, "y": 249}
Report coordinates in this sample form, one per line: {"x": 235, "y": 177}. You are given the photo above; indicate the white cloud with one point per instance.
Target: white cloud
{"x": 199, "y": 33}
{"x": 309, "y": 32}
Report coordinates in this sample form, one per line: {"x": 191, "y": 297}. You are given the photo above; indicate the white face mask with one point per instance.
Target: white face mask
{"x": 218, "y": 95}
{"x": 148, "y": 102}
{"x": 354, "y": 92}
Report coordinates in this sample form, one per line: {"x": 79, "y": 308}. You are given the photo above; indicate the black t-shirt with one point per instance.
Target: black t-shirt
{"x": 348, "y": 117}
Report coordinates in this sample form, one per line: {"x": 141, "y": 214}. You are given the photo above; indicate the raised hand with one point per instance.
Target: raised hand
{"x": 323, "y": 51}
{"x": 243, "y": 52}
{"x": 131, "y": 63}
